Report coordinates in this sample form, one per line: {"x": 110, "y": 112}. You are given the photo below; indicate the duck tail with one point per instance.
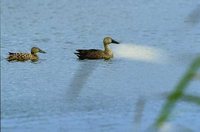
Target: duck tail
{"x": 10, "y": 58}
{"x": 10, "y": 53}
{"x": 79, "y": 56}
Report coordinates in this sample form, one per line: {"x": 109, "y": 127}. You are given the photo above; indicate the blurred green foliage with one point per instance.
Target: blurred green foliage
{"x": 178, "y": 93}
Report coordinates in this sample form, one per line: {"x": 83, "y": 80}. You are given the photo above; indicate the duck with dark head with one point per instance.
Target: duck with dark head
{"x": 25, "y": 56}
{"x": 97, "y": 53}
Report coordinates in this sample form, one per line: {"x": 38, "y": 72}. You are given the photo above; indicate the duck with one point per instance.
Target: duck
{"x": 25, "y": 56}
{"x": 97, "y": 53}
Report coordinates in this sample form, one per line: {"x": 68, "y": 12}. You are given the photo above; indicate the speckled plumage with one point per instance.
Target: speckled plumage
{"x": 25, "y": 56}
{"x": 96, "y": 53}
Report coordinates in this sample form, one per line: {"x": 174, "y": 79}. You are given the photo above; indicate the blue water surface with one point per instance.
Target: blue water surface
{"x": 60, "y": 93}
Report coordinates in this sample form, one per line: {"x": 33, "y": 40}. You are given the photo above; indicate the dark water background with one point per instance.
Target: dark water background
{"x": 61, "y": 93}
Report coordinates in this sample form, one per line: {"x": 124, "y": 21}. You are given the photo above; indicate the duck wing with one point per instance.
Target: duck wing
{"x": 89, "y": 54}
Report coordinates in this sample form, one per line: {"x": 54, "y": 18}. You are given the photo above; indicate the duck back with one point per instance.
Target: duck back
{"x": 90, "y": 54}
{"x": 19, "y": 56}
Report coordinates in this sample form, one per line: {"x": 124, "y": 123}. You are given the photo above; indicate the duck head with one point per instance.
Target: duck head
{"x": 109, "y": 40}
{"x": 35, "y": 50}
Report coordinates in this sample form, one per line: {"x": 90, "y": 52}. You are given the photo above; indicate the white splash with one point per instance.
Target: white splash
{"x": 140, "y": 53}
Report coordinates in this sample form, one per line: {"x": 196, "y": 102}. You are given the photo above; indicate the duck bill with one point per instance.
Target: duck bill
{"x": 42, "y": 51}
{"x": 113, "y": 41}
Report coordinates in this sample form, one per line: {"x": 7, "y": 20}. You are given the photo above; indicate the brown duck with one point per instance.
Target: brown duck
{"x": 25, "y": 56}
{"x": 96, "y": 53}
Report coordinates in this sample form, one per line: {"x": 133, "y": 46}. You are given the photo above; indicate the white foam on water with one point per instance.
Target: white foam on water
{"x": 140, "y": 53}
